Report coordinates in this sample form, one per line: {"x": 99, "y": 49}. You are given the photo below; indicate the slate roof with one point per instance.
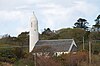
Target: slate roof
{"x": 60, "y": 45}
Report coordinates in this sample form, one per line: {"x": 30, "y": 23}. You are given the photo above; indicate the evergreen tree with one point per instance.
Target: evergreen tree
{"x": 81, "y": 23}
{"x": 97, "y": 24}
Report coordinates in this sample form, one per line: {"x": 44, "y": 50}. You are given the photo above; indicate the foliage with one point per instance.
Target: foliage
{"x": 6, "y": 55}
{"x": 8, "y": 40}
{"x": 47, "y": 61}
{"x": 47, "y": 34}
{"x": 23, "y": 38}
{"x": 97, "y": 23}
{"x": 47, "y": 31}
{"x": 19, "y": 52}
{"x": 95, "y": 35}
{"x": 72, "y": 33}
{"x": 81, "y": 23}
{"x": 96, "y": 47}
{"x": 24, "y": 62}
{"x": 11, "y": 54}
{"x": 5, "y": 64}
{"x": 73, "y": 59}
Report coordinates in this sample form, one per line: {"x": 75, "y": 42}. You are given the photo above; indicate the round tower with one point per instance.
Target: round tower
{"x": 33, "y": 32}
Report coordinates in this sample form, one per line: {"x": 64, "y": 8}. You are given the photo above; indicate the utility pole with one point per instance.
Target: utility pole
{"x": 90, "y": 54}
{"x": 34, "y": 56}
{"x": 83, "y": 43}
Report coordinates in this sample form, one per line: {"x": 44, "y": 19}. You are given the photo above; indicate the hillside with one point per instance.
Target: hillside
{"x": 14, "y": 50}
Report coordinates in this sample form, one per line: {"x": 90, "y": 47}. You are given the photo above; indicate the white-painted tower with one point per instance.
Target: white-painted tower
{"x": 33, "y": 32}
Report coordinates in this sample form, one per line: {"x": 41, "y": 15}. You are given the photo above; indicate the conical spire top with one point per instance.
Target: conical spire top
{"x": 33, "y": 16}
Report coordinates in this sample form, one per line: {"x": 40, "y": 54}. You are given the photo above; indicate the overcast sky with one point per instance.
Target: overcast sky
{"x": 55, "y": 14}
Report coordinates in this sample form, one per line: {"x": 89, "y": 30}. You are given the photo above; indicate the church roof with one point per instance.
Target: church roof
{"x": 60, "y": 45}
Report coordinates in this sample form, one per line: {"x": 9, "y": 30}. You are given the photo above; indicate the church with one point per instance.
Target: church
{"x": 47, "y": 47}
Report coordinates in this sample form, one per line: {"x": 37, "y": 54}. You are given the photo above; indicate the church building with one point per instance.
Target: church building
{"x": 48, "y": 47}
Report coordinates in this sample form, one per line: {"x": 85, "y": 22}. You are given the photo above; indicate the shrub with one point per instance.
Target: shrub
{"x": 24, "y": 62}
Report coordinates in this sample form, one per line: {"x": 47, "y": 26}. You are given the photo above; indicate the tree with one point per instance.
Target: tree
{"x": 6, "y": 36}
{"x": 47, "y": 31}
{"x": 23, "y": 38}
{"x": 81, "y": 23}
{"x": 7, "y": 39}
{"x": 95, "y": 35}
{"x": 48, "y": 34}
{"x": 18, "y": 52}
{"x": 97, "y": 24}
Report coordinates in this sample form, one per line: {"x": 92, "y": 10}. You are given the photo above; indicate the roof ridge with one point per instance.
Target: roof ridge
{"x": 57, "y": 40}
